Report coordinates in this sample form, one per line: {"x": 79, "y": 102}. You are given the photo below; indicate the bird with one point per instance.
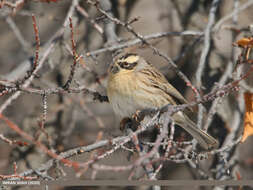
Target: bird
{"x": 135, "y": 84}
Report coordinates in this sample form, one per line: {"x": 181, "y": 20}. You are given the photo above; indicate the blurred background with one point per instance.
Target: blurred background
{"x": 74, "y": 120}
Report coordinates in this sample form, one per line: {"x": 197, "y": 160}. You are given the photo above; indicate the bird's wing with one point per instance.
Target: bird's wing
{"x": 159, "y": 81}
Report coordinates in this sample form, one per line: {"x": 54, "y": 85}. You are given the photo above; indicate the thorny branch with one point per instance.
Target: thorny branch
{"x": 74, "y": 54}
{"x": 152, "y": 156}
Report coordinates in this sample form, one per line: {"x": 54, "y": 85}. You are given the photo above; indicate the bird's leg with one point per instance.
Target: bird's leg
{"x": 138, "y": 116}
{"x": 129, "y": 123}
{"x": 125, "y": 123}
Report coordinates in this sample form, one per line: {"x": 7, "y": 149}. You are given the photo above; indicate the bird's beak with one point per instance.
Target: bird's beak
{"x": 114, "y": 69}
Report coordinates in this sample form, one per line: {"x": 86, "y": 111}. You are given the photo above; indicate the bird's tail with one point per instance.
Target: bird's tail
{"x": 206, "y": 141}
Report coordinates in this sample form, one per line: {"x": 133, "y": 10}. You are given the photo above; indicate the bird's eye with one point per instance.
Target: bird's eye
{"x": 124, "y": 65}
{"x": 127, "y": 65}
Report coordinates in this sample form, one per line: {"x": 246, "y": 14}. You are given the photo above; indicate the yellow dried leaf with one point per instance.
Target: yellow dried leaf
{"x": 248, "y": 117}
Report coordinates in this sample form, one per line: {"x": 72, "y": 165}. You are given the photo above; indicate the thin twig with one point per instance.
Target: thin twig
{"x": 17, "y": 33}
{"x": 218, "y": 25}
{"x": 74, "y": 54}
{"x": 93, "y": 22}
{"x": 203, "y": 57}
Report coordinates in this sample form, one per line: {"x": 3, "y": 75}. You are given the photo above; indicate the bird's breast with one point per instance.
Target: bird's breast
{"x": 120, "y": 91}
{"x": 129, "y": 92}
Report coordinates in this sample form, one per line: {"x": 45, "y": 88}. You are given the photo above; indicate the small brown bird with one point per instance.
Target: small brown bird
{"x": 134, "y": 84}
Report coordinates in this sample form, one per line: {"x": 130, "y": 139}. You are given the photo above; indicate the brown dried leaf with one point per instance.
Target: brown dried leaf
{"x": 245, "y": 42}
{"x": 248, "y": 117}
